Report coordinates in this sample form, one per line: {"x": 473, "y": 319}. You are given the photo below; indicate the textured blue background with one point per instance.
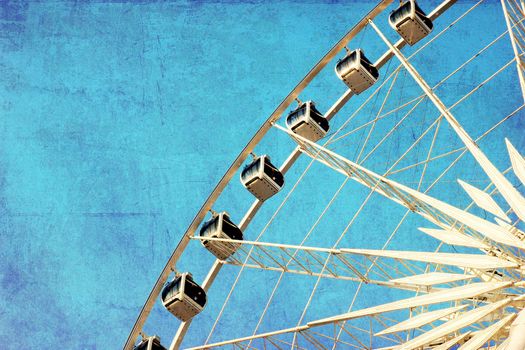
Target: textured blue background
{"x": 117, "y": 120}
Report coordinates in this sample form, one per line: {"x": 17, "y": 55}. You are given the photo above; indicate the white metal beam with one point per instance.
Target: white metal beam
{"x": 481, "y": 337}
{"x": 456, "y": 324}
{"x": 421, "y": 320}
{"x": 483, "y": 200}
{"x": 456, "y": 293}
{"x": 517, "y": 161}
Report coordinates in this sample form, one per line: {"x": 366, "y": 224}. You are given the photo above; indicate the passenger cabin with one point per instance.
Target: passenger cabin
{"x": 183, "y": 297}
{"x": 410, "y": 22}
{"x": 150, "y": 343}
{"x": 357, "y": 71}
{"x": 308, "y": 122}
{"x": 220, "y": 226}
{"x": 262, "y": 178}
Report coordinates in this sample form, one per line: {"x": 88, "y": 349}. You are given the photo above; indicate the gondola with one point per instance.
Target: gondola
{"x": 221, "y": 226}
{"x": 183, "y": 297}
{"x": 357, "y": 71}
{"x": 307, "y": 122}
{"x": 410, "y": 22}
{"x": 262, "y": 178}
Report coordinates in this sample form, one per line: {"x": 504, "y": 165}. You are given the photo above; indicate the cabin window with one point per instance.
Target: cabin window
{"x": 171, "y": 289}
{"x": 142, "y": 346}
{"x": 273, "y": 172}
{"x": 251, "y": 170}
{"x": 195, "y": 292}
{"x": 210, "y": 226}
{"x": 230, "y": 229}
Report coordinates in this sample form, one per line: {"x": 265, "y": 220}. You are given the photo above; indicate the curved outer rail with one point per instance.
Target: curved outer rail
{"x": 181, "y": 246}
{"x": 216, "y": 267}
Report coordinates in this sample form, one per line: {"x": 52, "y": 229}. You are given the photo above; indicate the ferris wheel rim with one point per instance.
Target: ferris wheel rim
{"x": 238, "y": 162}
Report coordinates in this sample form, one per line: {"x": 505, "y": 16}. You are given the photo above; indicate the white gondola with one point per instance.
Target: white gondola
{"x": 183, "y": 297}
{"x": 356, "y": 71}
{"x": 307, "y": 122}
{"x": 410, "y": 22}
{"x": 262, "y": 178}
{"x": 220, "y": 226}
{"x": 150, "y": 343}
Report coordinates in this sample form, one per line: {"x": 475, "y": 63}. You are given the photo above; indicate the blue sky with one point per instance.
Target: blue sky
{"x": 118, "y": 119}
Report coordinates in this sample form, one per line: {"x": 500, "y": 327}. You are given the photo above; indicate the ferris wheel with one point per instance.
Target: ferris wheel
{"x": 395, "y": 219}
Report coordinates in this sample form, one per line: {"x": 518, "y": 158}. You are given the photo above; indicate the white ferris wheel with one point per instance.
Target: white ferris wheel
{"x": 390, "y": 216}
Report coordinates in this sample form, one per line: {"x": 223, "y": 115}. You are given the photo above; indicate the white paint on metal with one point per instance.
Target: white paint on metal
{"x": 517, "y": 333}
{"x": 475, "y": 261}
{"x": 456, "y": 324}
{"x": 454, "y": 237}
{"x": 457, "y": 293}
{"x": 432, "y": 278}
{"x": 517, "y": 161}
{"x": 483, "y": 200}
{"x": 481, "y": 337}
{"x": 450, "y": 343}
{"x": 421, "y": 320}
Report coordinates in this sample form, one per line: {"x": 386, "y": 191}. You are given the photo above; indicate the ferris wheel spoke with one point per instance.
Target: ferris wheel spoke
{"x": 334, "y": 137}
{"x": 332, "y": 338}
{"x": 478, "y": 340}
{"x": 392, "y": 130}
{"x": 472, "y": 261}
{"x": 454, "y": 237}
{"x": 358, "y": 344}
{"x": 454, "y": 324}
{"x": 296, "y": 259}
{"x": 458, "y": 293}
{"x": 480, "y": 85}
{"x": 429, "y": 154}
{"x": 437, "y": 212}
{"x": 511, "y": 195}
{"x": 422, "y": 319}
{"x": 335, "y": 245}
{"x": 271, "y": 337}
{"x": 345, "y": 265}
